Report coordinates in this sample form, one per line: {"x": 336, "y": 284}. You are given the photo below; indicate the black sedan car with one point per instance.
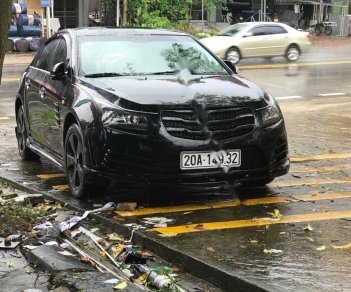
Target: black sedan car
{"x": 146, "y": 107}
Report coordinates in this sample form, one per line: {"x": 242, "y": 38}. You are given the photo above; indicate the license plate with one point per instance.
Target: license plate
{"x": 210, "y": 159}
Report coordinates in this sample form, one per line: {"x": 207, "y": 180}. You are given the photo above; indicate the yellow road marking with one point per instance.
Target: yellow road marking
{"x": 235, "y": 203}
{"x": 272, "y": 66}
{"x": 328, "y": 168}
{"x": 310, "y": 182}
{"x": 51, "y": 175}
{"x": 176, "y": 230}
{"x": 310, "y": 197}
{"x": 61, "y": 188}
{"x": 183, "y": 208}
{"x": 321, "y": 157}
{"x": 9, "y": 79}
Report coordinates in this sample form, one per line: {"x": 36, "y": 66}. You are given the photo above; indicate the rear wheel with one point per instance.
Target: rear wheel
{"x": 74, "y": 161}
{"x": 21, "y": 134}
{"x": 328, "y": 30}
{"x": 292, "y": 53}
{"x": 233, "y": 55}
{"x": 318, "y": 30}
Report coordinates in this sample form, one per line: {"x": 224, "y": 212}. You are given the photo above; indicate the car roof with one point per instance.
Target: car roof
{"x": 96, "y": 31}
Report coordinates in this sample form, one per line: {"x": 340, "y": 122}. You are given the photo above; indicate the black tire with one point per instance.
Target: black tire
{"x": 318, "y": 30}
{"x": 21, "y": 135}
{"x": 292, "y": 53}
{"x": 233, "y": 55}
{"x": 74, "y": 161}
{"x": 328, "y": 30}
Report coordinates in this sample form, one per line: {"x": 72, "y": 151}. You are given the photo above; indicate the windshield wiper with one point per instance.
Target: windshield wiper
{"x": 160, "y": 73}
{"x": 106, "y": 74}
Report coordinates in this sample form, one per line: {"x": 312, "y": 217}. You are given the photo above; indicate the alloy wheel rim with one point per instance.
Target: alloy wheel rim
{"x": 21, "y": 132}
{"x": 233, "y": 56}
{"x": 74, "y": 161}
{"x": 293, "y": 54}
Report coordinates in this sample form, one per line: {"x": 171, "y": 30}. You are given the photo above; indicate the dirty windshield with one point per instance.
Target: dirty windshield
{"x": 144, "y": 54}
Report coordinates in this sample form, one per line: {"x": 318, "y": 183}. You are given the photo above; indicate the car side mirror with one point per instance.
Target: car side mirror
{"x": 231, "y": 66}
{"x": 247, "y": 34}
{"x": 59, "y": 71}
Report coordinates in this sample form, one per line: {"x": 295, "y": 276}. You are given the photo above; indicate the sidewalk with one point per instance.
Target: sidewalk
{"x": 18, "y": 58}
{"x": 330, "y": 41}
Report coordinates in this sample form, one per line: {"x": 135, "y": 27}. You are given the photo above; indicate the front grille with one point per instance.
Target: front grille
{"x": 219, "y": 124}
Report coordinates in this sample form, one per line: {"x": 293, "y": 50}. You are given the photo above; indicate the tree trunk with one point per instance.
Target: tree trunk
{"x": 125, "y": 13}
{"x": 5, "y": 16}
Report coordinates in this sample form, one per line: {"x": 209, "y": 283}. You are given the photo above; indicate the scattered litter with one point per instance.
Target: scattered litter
{"x": 121, "y": 286}
{"x": 28, "y": 270}
{"x": 310, "y": 239}
{"x": 322, "y": 247}
{"x": 93, "y": 230}
{"x": 126, "y": 206}
{"x": 114, "y": 237}
{"x": 346, "y": 246}
{"x": 10, "y": 264}
{"x": 282, "y": 233}
{"x": 185, "y": 213}
{"x": 211, "y": 249}
{"x": 9, "y": 243}
{"x": 112, "y": 281}
{"x": 30, "y": 247}
{"x": 135, "y": 226}
{"x": 308, "y": 228}
{"x": 66, "y": 253}
{"x": 270, "y": 251}
{"x": 157, "y": 221}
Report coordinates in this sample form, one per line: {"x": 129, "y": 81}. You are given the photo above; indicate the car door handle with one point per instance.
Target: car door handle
{"x": 42, "y": 92}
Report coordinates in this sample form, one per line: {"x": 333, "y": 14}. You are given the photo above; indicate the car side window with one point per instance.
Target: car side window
{"x": 61, "y": 52}
{"x": 276, "y": 29}
{"x": 46, "y": 55}
{"x": 260, "y": 30}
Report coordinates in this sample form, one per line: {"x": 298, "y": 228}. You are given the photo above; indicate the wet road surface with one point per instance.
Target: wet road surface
{"x": 292, "y": 235}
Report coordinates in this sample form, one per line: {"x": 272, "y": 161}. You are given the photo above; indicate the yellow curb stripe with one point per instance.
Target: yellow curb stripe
{"x": 183, "y": 208}
{"x": 310, "y": 182}
{"x": 306, "y": 64}
{"x": 61, "y": 188}
{"x": 308, "y": 198}
{"x": 235, "y": 203}
{"x": 256, "y": 222}
{"x": 51, "y": 175}
{"x": 9, "y": 79}
{"x": 321, "y": 157}
{"x": 295, "y": 169}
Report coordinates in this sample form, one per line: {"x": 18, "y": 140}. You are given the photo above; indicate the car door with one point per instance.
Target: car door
{"x": 55, "y": 93}
{"x": 35, "y": 97}
{"x": 254, "y": 42}
{"x": 277, "y": 40}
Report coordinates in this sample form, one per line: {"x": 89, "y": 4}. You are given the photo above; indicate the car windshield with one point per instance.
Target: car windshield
{"x": 233, "y": 29}
{"x": 116, "y": 55}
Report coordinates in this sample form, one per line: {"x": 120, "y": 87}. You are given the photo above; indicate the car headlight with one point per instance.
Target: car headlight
{"x": 271, "y": 114}
{"x": 124, "y": 120}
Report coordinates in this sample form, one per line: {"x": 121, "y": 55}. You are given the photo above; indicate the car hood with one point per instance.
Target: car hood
{"x": 142, "y": 93}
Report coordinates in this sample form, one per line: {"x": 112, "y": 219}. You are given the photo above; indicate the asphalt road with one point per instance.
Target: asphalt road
{"x": 305, "y": 245}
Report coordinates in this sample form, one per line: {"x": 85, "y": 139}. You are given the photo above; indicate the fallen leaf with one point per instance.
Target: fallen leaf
{"x": 28, "y": 270}
{"x": 310, "y": 239}
{"x": 10, "y": 264}
{"x": 342, "y": 246}
{"x": 275, "y": 214}
{"x": 121, "y": 286}
{"x": 253, "y": 241}
{"x": 102, "y": 254}
{"x": 117, "y": 250}
{"x": 308, "y": 228}
{"x": 314, "y": 194}
{"x": 114, "y": 237}
{"x": 210, "y": 248}
{"x": 58, "y": 205}
{"x": 282, "y": 233}
{"x": 322, "y": 247}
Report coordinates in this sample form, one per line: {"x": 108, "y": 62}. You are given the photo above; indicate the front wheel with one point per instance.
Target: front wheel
{"x": 233, "y": 55}
{"x": 292, "y": 53}
{"x": 74, "y": 162}
{"x": 328, "y": 30}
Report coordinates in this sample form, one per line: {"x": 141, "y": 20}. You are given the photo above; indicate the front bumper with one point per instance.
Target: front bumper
{"x": 155, "y": 160}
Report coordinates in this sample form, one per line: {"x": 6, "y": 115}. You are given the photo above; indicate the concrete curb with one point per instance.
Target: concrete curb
{"x": 194, "y": 266}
